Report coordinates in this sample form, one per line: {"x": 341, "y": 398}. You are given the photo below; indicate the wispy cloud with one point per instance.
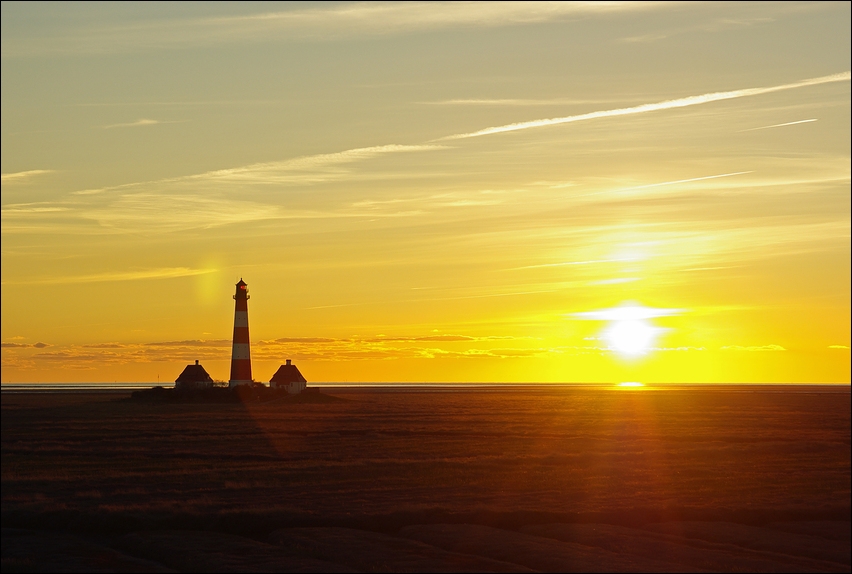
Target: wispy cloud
{"x": 519, "y": 102}
{"x": 139, "y": 123}
{"x": 164, "y": 203}
{"x": 193, "y": 343}
{"x": 305, "y": 169}
{"x": 23, "y": 175}
{"x": 645, "y": 108}
{"x": 676, "y": 182}
{"x": 279, "y": 171}
{"x": 756, "y": 348}
{"x": 373, "y": 17}
{"x": 715, "y": 25}
{"x": 437, "y": 338}
{"x": 162, "y": 273}
{"x": 675, "y": 246}
{"x": 616, "y": 281}
{"x": 320, "y": 23}
{"x": 568, "y": 263}
{"x": 166, "y": 207}
{"x": 210, "y": 196}
{"x": 627, "y": 313}
{"x": 644, "y": 38}
{"x": 780, "y": 125}
{"x": 176, "y": 103}
{"x": 18, "y": 209}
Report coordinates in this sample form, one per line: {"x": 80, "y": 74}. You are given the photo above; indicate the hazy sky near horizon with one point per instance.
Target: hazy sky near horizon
{"x": 427, "y": 191}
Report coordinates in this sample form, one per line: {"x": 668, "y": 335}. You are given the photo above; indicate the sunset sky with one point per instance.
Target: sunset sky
{"x": 638, "y": 191}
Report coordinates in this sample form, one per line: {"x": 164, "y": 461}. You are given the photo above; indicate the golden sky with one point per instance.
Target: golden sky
{"x": 645, "y": 191}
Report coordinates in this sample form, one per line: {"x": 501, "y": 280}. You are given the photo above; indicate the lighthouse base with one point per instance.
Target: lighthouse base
{"x": 232, "y": 384}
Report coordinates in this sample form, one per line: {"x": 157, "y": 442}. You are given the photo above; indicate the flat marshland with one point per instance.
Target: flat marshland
{"x": 718, "y": 478}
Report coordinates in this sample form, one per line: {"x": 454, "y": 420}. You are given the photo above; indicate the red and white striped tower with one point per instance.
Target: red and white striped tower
{"x": 240, "y": 355}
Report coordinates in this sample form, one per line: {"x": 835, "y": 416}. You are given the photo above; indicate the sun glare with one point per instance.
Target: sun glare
{"x": 629, "y": 333}
{"x": 631, "y": 384}
{"x": 633, "y": 337}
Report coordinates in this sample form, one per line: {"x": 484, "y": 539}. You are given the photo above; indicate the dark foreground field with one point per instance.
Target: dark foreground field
{"x": 562, "y": 479}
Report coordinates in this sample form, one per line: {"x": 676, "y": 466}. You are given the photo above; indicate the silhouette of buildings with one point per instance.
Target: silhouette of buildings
{"x": 288, "y": 377}
{"x": 193, "y": 377}
{"x": 240, "y": 353}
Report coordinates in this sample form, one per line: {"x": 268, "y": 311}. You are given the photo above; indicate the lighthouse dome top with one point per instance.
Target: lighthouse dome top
{"x": 242, "y": 290}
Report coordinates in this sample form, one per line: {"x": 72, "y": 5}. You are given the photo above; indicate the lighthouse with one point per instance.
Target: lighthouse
{"x": 240, "y": 355}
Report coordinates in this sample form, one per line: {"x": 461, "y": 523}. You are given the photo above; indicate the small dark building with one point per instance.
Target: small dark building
{"x": 193, "y": 377}
{"x": 288, "y": 377}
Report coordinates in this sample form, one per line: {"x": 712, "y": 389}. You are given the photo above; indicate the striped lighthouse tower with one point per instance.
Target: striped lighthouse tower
{"x": 240, "y": 356}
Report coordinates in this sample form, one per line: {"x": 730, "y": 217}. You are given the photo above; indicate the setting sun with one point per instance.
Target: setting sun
{"x": 630, "y": 338}
{"x": 629, "y": 331}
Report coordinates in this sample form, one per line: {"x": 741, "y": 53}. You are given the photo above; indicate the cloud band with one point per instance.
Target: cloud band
{"x": 644, "y": 108}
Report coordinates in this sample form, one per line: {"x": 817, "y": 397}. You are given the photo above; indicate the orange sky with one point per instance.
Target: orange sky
{"x": 428, "y": 192}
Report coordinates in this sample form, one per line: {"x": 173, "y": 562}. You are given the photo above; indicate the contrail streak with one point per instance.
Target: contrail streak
{"x": 664, "y": 183}
{"x": 779, "y": 125}
{"x": 666, "y": 105}
{"x": 674, "y": 182}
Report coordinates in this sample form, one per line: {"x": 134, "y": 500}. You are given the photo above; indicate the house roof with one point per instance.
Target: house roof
{"x": 287, "y": 374}
{"x": 193, "y": 374}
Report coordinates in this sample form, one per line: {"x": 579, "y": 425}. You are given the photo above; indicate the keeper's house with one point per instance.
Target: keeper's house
{"x": 288, "y": 377}
{"x": 193, "y": 377}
